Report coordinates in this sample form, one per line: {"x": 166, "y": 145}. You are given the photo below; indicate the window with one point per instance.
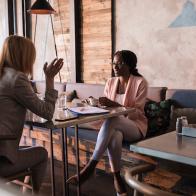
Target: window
{"x": 42, "y": 36}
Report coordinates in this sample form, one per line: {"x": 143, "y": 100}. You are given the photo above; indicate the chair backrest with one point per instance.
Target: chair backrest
{"x": 140, "y": 186}
{"x": 26, "y": 175}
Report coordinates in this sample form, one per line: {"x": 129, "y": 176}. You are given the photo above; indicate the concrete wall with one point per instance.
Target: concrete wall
{"x": 163, "y": 35}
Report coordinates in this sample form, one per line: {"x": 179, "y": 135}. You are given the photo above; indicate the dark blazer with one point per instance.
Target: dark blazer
{"x": 16, "y": 96}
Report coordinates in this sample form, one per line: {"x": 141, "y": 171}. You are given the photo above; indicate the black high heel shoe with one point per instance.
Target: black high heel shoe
{"x": 119, "y": 185}
{"x": 85, "y": 173}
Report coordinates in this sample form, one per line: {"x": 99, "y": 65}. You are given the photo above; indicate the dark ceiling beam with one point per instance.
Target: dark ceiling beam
{"x": 12, "y": 17}
{"x": 26, "y": 19}
{"x": 75, "y": 30}
{"x": 113, "y": 31}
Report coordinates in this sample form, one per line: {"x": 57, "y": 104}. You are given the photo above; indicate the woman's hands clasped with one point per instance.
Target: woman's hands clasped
{"x": 104, "y": 101}
{"x": 53, "y": 68}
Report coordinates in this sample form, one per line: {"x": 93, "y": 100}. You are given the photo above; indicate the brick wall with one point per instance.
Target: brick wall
{"x": 96, "y": 40}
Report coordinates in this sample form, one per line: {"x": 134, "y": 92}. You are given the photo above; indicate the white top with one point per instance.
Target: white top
{"x": 119, "y": 98}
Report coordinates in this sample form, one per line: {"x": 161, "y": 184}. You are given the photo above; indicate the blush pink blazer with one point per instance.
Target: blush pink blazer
{"x": 135, "y": 96}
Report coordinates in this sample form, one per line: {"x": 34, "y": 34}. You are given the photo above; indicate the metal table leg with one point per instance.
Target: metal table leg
{"x": 139, "y": 178}
{"x": 65, "y": 161}
{"x": 52, "y": 164}
{"x": 77, "y": 159}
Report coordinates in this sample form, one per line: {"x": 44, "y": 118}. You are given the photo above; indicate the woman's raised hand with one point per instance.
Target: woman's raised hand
{"x": 53, "y": 68}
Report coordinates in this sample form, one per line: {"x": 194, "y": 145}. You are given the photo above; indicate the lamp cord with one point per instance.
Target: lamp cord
{"x": 45, "y": 45}
{"x": 55, "y": 45}
{"x": 35, "y": 29}
{"x": 53, "y": 36}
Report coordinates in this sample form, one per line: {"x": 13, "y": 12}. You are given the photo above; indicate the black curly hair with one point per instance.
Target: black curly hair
{"x": 129, "y": 58}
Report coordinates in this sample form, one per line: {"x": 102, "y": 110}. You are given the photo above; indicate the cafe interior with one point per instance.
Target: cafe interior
{"x": 115, "y": 129}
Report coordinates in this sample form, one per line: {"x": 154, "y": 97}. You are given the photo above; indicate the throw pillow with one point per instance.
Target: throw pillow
{"x": 158, "y": 115}
{"x": 190, "y": 113}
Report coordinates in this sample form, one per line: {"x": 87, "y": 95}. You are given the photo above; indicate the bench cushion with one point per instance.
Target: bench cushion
{"x": 183, "y": 97}
{"x": 96, "y": 90}
{"x": 86, "y": 90}
{"x": 190, "y": 113}
{"x": 40, "y": 86}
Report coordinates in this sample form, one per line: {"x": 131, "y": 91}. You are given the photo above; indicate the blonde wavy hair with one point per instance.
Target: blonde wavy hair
{"x": 18, "y": 53}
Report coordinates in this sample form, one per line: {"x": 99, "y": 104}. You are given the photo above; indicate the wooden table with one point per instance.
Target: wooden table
{"x": 169, "y": 146}
{"x": 51, "y": 125}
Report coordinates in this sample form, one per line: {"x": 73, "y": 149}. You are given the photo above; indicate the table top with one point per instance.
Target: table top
{"x": 117, "y": 111}
{"x": 169, "y": 146}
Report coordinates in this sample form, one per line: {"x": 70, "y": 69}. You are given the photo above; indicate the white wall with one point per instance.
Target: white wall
{"x": 3, "y": 21}
{"x": 44, "y": 43}
{"x": 44, "y": 40}
{"x": 163, "y": 35}
{"x": 19, "y": 17}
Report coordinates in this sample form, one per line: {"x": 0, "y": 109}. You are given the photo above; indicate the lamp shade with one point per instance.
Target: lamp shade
{"x": 41, "y": 7}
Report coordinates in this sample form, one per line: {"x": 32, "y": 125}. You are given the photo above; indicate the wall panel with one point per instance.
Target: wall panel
{"x": 96, "y": 40}
{"x": 162, "y": 34}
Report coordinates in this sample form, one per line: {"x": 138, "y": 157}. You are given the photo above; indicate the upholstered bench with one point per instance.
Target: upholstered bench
{"x": 184, "y": 101}
{"x": 87, "y": 135}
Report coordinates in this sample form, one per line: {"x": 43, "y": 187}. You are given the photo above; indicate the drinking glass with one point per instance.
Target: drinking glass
{"x": 62, "y": 102}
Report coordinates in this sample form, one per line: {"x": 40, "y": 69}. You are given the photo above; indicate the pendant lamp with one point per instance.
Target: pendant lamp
{"x": 44, "y": 7}
{"x": 41, "y": 7}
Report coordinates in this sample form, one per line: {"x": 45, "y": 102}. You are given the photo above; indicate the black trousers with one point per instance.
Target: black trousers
{"x": 34, "y": 158}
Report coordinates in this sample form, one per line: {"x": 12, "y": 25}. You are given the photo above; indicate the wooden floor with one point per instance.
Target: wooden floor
{"x": 102, "y": 183}
{"x": 99, "y": 185}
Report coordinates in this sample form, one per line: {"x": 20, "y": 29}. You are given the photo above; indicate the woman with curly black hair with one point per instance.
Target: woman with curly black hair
{"x": 128, "y": 88}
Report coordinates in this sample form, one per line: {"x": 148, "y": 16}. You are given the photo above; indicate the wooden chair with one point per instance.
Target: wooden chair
{"x": 16, "y": 179}
{"x": 133, "y": 178}
{"x": 26, "y": 174}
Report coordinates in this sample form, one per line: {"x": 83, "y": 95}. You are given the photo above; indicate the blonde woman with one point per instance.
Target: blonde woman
{"x": 16, "y": 96}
